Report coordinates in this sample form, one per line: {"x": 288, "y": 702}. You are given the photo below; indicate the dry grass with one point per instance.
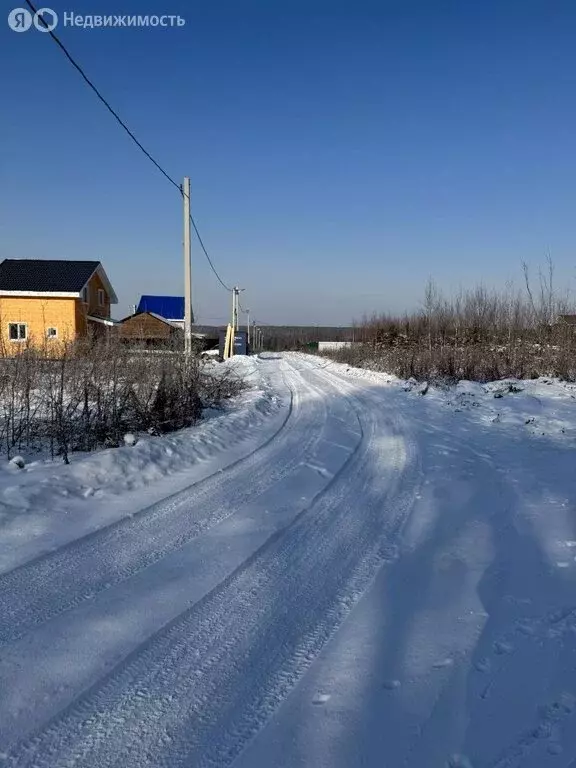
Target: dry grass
{"x": 478, "y": 335}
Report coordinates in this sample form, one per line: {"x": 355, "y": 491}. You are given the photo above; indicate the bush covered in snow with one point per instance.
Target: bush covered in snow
{"x": 98, "y": 392}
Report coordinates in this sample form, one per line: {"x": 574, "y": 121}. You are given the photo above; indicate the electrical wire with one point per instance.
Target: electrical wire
{"x": 212, "y": 267}
{"x": 129, "y": 132}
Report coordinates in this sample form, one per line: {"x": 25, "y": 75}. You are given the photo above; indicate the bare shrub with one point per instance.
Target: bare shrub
{"x": 96, "y": 391}
{"x": 478, "y": 334}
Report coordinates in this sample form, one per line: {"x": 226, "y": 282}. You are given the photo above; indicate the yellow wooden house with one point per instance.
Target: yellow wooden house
{"x": 52, "y": 302}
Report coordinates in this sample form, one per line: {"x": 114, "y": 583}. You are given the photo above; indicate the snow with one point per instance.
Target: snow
{"x": 48, "y": 503}
{"x": 341, "y": 569}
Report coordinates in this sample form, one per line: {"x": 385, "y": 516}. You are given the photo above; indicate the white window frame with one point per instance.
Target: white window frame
{"x": 49, "y": 335}
{"x": 85, "y": 295}
{"x": 19, "y": 340}
{"x": 101, "y": 297}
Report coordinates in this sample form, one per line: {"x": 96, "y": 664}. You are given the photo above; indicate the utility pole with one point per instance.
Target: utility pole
{"x": 187, "y": 270}
{"x": 233, "y": 324}
{"x": 248, "y": 326}
{"x": 235, "y": 302}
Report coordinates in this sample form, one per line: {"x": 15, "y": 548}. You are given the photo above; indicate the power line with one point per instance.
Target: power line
{"x": 128, "y": 131}
{"x": 212, "y": 267}
{"x": 103, "y": 100}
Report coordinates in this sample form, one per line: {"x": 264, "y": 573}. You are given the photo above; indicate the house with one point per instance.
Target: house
{"x": 150, "y": 330}
{"x": 52, "y": 301}
{"x": 171, "y": 308}
{"x": 154, "y": 331}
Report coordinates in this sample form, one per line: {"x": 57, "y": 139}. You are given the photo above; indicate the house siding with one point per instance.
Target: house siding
{"x": 94, "y": 307}
{"x": 38, "y": 314}
{"x": 145, "y": 327}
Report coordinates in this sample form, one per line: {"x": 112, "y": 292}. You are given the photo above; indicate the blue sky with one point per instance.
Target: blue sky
{"x": 340, "y": 153}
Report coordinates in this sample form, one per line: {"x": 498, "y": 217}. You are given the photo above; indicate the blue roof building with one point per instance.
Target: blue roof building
{"x": 168, "y": 307}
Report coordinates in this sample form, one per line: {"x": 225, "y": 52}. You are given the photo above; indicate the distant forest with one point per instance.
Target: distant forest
{"x": 278, "y": 338}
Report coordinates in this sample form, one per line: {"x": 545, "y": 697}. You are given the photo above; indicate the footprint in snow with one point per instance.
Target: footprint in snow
{"x": 526, "y": 627}
{"x": 391, "y": 685}
{"x": 321, "y": 698}
{"x": 483, "y": 665}
{"x": 502, "y": 647}
{"x": 487, "y": 690}
{"x": 458, "y": 761}
{"x": 442, "y": 663}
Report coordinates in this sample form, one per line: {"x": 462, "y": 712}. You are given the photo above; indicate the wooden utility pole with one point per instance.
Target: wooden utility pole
{"x": 188, "y": 318}
{"x": 233, "y": 317}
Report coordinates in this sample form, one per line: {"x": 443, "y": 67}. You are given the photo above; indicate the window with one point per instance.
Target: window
{"x": 100, "y": 297}
{"x": 17, "y": 331}
{"x": 85, "y": 294}
{"x": 51, "y": 333}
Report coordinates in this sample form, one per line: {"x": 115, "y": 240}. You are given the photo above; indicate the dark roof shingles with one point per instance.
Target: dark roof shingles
{"x": 45, "y": 275}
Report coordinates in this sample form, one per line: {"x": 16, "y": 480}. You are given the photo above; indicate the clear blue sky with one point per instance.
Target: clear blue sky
{"x": 340, "y": 153}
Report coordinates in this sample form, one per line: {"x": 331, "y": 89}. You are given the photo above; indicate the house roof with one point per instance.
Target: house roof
{"x": 102, "y": 320}
{"x": 172, "y": 324}
{"x": 167, "y": 307}
{"x": 45, "y": 276}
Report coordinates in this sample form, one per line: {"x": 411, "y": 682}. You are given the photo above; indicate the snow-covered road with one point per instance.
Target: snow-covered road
{"x": 368, "y": 580}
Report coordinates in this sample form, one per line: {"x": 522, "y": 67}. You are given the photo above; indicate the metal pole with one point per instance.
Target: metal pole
{"x": 187, "y": 269}
{"x": 248, "y": 326}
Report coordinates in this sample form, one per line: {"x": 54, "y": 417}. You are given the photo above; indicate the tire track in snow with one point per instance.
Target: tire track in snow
{"x": 59, "y": 581}
{"x": 199, "y": 689}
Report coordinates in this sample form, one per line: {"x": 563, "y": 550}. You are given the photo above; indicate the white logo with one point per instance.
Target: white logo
{"x": 20, "y": 20}
{"x": 45, "y": 20}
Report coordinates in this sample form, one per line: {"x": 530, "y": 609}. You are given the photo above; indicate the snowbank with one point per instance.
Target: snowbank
{"x": 543, "y": 407}
{"x": 31, "y": 497}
